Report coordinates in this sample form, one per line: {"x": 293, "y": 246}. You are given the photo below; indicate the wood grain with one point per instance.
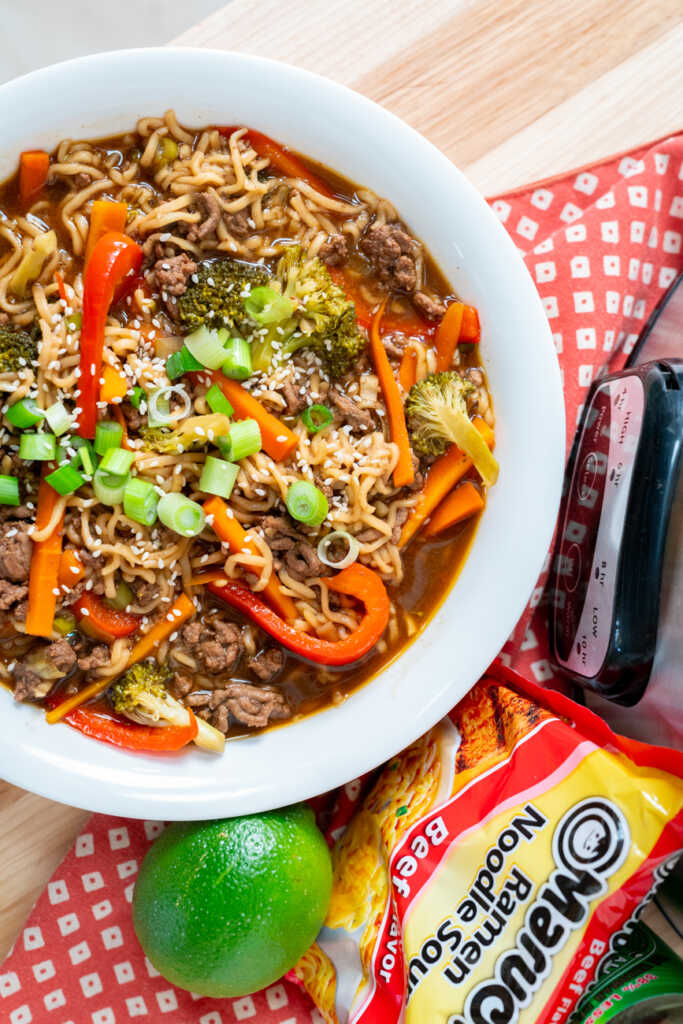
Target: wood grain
{"x": 511, "y": 90}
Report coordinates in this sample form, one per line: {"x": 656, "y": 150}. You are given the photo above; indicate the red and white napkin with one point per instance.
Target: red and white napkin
{"x": 603, "y": 244}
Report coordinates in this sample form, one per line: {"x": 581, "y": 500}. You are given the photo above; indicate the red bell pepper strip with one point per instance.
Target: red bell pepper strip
{"x": 101, "y": 724}
{"x": 112, "y": 258}
{"x": 356, "y": 580}
{"x": 410, "y": 322}
{"x": 281, "y": 159}
{"x": 101, "y": 621}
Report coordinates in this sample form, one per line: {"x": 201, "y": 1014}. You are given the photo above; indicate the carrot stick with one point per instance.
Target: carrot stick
{"x": 463, "y": 502}
{"x": 71, "y": 569}
{"x": 121, "y": 420}
{"x": 404, "y": 472}
{"x": 278, "y": 440}
{"x": 407, "y": 371}
{"x": 44, "y": 571}
{"x": 470, "y": 330}
{"x": 180, "y": 611}
{"x": 115, "y": 385}
{"x": 105, "y": 216}
{"x": 230, "y": 530}
{"x": 61, "y": 288}
{"x": 444, "y": 474}
{"x": 34, "y": 165}
{"x": 448, "y": 335}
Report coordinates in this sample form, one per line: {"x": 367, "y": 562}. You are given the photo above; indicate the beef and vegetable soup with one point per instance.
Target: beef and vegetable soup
{"x": 246, "y": 436}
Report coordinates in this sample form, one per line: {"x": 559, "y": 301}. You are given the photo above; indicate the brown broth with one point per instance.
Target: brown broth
{"x": 431, "y": 565}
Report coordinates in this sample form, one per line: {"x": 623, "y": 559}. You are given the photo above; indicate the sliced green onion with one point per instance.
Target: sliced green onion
{"x": 140, "y": 501}
{"x": 117, "y": 461}
{"x": 181, "y": 515}
{"x": 38, "y": 447}
{"x": 208, "y": 347}
{"x": 237, "y": 365}
{"x": 338, "y": 537}
{"x": 107, "y": 435}
{"x": 74, "y": 321}
{"x": 244, "y": 439}
{"x": 85, "y": 454}
{"x": 108, "y": 487}
{"x": 59, "y": 419}
{"x": 218, "y": 477}
{"x": 217, "y": 402}
{"x": 65, "y": 480}
{"x": 9, "y": 490}
{"x": 122, "y": 598}
{"x": 25, "y": 413}
{"x": 179, "y": 363}
{"x": 306, "y": 503}
{"x": 316, "y": 418}
{"x": 136, "y": 397}
{"x": 159, "y": 406}
{"x": 267, "y": 306}
{"x": 64, "y": 623}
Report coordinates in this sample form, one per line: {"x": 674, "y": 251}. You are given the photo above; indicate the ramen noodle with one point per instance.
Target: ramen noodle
{"x": 494, "y": 864}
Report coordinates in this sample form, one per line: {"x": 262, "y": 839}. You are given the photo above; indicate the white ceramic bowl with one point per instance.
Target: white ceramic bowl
{"x": 105, "y": 94}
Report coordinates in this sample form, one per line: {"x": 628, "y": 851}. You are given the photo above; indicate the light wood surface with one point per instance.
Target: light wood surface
{"x": 511, "y": 90}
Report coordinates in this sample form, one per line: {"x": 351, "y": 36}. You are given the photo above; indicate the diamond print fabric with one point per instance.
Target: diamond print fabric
{"x": 602, "y": 244}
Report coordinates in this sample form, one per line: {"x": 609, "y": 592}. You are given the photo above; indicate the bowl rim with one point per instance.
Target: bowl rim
{"x": 29, "y": 758}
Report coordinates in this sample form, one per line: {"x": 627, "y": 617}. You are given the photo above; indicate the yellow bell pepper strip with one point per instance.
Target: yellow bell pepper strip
{"x": 115, "y": 385}
{"x": 112, "y": 259}
{"x": 356, "y": 581}
{"x": 32, "y": 263}
{"x": 180, "y": 611}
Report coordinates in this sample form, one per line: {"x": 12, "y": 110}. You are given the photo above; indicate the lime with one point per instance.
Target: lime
{"x": 224, "y": 908}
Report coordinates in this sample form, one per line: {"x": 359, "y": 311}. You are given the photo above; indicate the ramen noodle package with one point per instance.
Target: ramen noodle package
{"x": 494, "y": 865}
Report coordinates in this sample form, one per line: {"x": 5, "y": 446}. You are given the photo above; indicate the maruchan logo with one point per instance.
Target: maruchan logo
{"x": 589, "y": 844}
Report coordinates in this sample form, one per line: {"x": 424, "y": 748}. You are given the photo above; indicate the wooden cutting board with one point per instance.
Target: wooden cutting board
{"x": 511, "y": 90}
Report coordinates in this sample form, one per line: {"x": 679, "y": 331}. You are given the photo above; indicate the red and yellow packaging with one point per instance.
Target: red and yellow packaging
{"x": 493, "y": 864}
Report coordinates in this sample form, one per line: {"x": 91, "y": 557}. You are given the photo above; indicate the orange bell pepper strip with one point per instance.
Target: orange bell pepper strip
{"x": 115, "y": 385}
{"x": 460, "y": 504}
{"x": 61, "y": 288}
{"x": 71, "y": 569}
{"x": 407, "y": 370}
{"x": 470, "y": 331}
{"x": 112, "y": 258}
{"x": 180, "y": 611}
{"x": 278, "y": 440}
{"x": 34, "y": 165}
{"x": 404, "y": 473}
{"x": 44, "y": 572}
{"x": 445, "y": 473}
{"x": 356, "y": 581}
{"x": 105, "y": 216}
{"x": 98, "y": 619}
{"x": 448, "y": 336}
{"x": 231, "y": 531}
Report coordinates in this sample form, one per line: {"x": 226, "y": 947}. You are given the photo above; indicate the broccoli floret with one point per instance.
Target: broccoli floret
{"x": 216, "y": 298}
{"x": 18, "y": 348}
{"x": 436, "y": 409}
{"x": 324, "y": 319}
{"x": 141, "y": 695}
{"x": 195, "y": 432}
